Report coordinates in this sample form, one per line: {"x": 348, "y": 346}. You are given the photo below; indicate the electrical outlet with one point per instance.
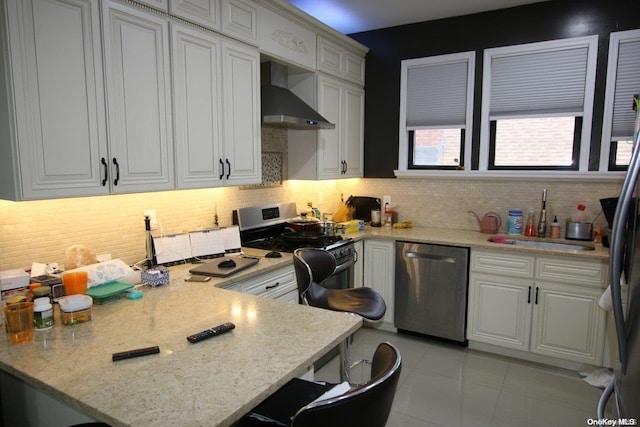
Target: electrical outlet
{"x": 386, "y": 200}
{"x": 151, "y": 213}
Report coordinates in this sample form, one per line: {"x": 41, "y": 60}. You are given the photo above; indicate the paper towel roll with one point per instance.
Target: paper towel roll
{"x": 104, "y": 272}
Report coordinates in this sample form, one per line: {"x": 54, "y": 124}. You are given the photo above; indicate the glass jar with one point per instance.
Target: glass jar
{"x": 42, "y": 314}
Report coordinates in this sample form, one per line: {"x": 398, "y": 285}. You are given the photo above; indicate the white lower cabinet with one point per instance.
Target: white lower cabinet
{"x": 379, "y": 271}
{"x": 538, "y": 304}
{"x": 278, "y": 284}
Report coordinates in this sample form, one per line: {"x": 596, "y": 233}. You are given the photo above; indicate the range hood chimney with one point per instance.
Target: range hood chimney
{"x": 280, "y": 107}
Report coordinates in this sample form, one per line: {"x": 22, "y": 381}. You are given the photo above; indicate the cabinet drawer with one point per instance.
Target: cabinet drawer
{"x": 569, "y": 270}
{"x": 275, "y": 282}
{"x": 503, "y": 263}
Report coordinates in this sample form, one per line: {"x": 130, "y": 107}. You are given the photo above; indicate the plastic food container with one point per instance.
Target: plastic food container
{"x": 75, "y": 309}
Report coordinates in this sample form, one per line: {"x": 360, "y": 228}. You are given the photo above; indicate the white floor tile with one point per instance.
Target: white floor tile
{"x": 448, "y": 385}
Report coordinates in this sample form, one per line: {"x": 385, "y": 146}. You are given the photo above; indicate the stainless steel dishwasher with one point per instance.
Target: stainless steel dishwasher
{"x": 431, "y": 289}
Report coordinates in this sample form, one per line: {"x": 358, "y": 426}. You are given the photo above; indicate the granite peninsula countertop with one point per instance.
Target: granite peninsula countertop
{"x": 213, "y": 382}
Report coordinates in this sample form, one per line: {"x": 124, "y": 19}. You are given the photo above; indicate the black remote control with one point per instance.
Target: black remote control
{"x": 210, "y": 333}
{"x": 138, "y": 352}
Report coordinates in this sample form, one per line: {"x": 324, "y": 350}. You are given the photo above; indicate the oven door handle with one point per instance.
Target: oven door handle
{"x": 344, "y": 265}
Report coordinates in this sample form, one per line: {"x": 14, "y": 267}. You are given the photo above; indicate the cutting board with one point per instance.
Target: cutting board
{"x": 211, "y": 268}
{"x": 108, "y": 290}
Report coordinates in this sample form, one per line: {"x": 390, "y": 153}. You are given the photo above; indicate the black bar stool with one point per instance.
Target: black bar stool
{"x": 313, "y": 266}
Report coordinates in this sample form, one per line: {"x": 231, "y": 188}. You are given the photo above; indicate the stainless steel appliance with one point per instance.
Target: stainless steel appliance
{"x": 282, "y": 108}
{"x": 431, "y": 289}
{"x": 624, "y": 261}
{"x": 266, "y": 227}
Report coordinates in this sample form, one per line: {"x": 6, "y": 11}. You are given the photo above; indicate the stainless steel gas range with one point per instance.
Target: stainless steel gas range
{"x": 265, "y": 227}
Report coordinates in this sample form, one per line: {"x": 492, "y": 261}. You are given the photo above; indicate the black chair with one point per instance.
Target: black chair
{"x": 366, "y": 405}
{"x": 313, "y": 266}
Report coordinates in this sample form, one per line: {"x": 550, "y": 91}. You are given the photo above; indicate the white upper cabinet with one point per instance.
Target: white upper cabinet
{"x": 137, "y": 73}
{"x": 341, "y": 150}
{"x": 282, "y": 38}
{"x": 52, "y": 130}
{"x": 337, "y": 61}
{"x": 241, "y": 95}
{"x": 217, "y": 134}
{"x": 240, "y": 20}
{"x": 156, "y": 4}
{"x": 197, "y": 83}
{"x": 203, "y": 12}
{"x": 329, "y": 153}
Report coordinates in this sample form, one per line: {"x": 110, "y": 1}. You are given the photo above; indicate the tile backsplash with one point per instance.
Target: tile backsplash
{"x": 42, "y": 230}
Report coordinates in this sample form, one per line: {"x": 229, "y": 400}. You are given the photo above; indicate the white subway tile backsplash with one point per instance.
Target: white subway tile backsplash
{"x": 42, "y": 230}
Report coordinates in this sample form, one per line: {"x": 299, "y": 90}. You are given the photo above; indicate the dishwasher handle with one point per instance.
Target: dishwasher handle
{"x": 430, "y": 257}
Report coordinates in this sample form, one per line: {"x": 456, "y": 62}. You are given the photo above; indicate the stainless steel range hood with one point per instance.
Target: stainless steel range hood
{"x": 281, "y": 107}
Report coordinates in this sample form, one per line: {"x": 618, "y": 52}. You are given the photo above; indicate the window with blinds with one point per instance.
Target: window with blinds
{"x": 436, "y": 111}
{"x": 537, "y": 105}
{"x": 623, "y": 84}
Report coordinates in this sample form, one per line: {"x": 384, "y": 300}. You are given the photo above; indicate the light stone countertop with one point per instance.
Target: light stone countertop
{"x": 213, "y": 382}
{"x": 477, "y": 240}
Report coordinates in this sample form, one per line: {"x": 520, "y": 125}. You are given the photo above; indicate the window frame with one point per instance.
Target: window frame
{"x": 404, "y": 143}
{"x": 591, "y": 43}
{"x": 577, "y": 130}
{"x": 607, "y": 151}
{"x": 411, "y": 146}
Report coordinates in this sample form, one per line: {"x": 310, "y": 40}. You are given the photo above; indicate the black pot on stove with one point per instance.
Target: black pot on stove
{"x": 303, "y": 224}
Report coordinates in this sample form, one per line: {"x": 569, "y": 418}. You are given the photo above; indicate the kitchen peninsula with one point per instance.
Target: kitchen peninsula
{"x": 213, "y": 382}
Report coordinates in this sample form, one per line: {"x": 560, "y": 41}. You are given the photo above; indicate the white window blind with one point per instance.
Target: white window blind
{"x": 539, "y": 82}
{"x": 627, "y": 83}
{"x": 437, "y": 95}
{"x": 554, "y": 78}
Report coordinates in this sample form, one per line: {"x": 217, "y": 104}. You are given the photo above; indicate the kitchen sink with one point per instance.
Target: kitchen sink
{"x": 542, "y": 244}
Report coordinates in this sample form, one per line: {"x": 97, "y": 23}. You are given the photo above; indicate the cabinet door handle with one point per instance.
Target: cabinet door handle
{"x": 221, "y": 169}
{"x": 115, "y": 162}
{"x": 346, "y": 167}
{"x": 106, "y": 171}
{"x": 229, "y": 165}
{"x": 275, "y": 285}
{"x": 537, "y": 289}
{"x": 529, "y": 296}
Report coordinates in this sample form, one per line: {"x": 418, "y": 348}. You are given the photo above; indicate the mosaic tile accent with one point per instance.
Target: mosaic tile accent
{"x": 271, "y": 169}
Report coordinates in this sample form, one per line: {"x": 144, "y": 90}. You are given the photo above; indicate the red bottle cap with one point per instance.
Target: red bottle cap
{"x": 581, "y": 207}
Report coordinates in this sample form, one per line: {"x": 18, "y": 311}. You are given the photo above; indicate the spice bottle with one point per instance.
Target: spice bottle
{"x": 42, "y": 314}
{"x": 554, "y": 230}
{"x": 388, "y": 215}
